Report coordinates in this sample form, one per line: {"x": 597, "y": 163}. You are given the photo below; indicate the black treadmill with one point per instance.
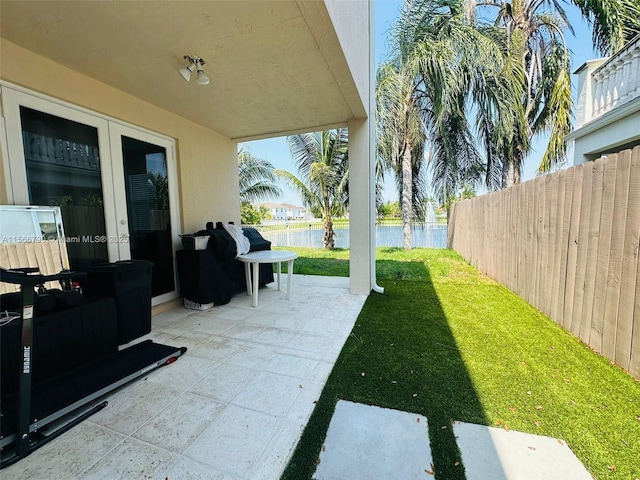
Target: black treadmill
{"x": 33, "y": 413}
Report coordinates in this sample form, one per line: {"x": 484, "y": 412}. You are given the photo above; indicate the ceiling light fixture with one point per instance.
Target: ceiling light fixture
{"x": 195, "y": 63}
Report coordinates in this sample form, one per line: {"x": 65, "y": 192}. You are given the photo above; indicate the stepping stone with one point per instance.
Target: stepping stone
{"x": 375, "y": 443}
{"x": 498, "y": 454}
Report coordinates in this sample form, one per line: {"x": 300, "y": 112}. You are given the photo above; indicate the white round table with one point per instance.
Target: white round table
{"x": 265, "y": 256}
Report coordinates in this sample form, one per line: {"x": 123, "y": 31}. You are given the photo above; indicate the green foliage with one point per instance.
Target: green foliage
{"x": 161, "y": 185}
{"x": 257, "y": 178}
{"x": 63, "y": 201}
{"x": 322, "y": 160}
{"x": 614, "y": 22}
{"x": 447, "y": 342}
{"x": 389, "y": 210}
{"x": 250, "y": 215}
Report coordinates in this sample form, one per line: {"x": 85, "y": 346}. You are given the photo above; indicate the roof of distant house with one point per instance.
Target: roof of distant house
{"x": 280, "y": 205}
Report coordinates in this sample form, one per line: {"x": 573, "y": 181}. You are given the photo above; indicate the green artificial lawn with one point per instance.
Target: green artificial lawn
{"x": 451, "y": 344}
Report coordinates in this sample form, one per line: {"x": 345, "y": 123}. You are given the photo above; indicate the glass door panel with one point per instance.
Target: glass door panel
{"x": 62, "y": 161}
{"x": 110, "y": 180}
{"x": 146, "y": 183}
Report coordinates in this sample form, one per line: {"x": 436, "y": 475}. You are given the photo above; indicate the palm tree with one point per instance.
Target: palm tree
{"x": 323, "y": 168}
{"x": 442, "y": 64}
{"x": 401, "y": 136}
{"x": 533, "y": 33}
{"x": 257, "y": 178}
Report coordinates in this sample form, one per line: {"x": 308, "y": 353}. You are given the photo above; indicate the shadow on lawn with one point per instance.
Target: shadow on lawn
{"x": 403, "y": 345}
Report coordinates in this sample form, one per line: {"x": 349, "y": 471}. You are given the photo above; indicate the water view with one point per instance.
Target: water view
{"x": 425, "y": 235}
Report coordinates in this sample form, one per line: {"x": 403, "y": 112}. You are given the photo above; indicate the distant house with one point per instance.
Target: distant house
{"x": 285, "y": 211}
{"x": 608, "y": 105}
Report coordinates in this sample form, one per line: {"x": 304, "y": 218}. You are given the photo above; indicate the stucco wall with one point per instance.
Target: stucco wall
{"x": 206, "y": 161}
{"x": 608, "y": 138}
{"x": 352, "y": 29}
{"x": 3, "y": 190}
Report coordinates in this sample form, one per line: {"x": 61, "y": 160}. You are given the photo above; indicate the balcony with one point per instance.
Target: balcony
{"x": 617, "y": 80}
{"x": 608, "y": 104}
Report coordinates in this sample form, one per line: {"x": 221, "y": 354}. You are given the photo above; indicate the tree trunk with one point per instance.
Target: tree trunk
{"x": 514, "y": 174}
{"x": 407, "y": 194}
{"x": 511, "y": 174}
{"x": 329, "y": 234}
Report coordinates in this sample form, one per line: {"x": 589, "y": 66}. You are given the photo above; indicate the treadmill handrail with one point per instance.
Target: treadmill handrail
{"x": 25, "y": 276}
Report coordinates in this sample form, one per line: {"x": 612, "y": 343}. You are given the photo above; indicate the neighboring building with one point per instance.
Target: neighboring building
{"x": 608, "y": 106}
{"x": 285, "y": 211}
{"x": 95, "y": 115}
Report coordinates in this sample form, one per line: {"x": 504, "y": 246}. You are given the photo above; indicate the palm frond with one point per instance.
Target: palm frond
{"x": 614, "y": 22}
{"x": 257, "y": 179}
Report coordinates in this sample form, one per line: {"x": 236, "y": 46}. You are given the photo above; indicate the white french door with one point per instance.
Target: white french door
{"x": 114, "y": 183}
{"x": 141, "y": 166}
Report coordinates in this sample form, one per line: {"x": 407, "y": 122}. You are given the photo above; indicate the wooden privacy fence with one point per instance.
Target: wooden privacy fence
{"x": 568, "y": 244}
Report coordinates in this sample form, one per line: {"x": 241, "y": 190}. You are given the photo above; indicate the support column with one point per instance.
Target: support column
{"x": 360, "y": 242}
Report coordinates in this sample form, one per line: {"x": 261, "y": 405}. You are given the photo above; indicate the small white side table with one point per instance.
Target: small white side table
{"x": 265, "y": 256}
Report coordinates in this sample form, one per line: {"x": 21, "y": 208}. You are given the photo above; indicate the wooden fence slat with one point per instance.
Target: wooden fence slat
{"x": 557, "y": 243}
{"x": 604, "y": 246}
{"x": 452, "y": 228}
{"x": 485, "y": 260}
{"x": 543, "y": 267}
{"x": 615, "y": 258}
{"x": 583, "y": 244}
{"x": 634, "y": 362}
{"x": 533, "y": 216}
{"x": 566, "y": 226}
{"x": 628, "y": 277}
{"x": 593, "y": 232}
{"x": 572, "y": 248}
{"x": 526, "y": 242}
{"x": 522, "y": 239}
{"x": 515, "y": 234}
{"x": 540, "y": 251}
{"x": 552, "y": 212}
{"x": 498, "y": 227}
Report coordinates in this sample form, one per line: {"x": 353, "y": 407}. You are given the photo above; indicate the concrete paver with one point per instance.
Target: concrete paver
{"x": 375, "y": 443}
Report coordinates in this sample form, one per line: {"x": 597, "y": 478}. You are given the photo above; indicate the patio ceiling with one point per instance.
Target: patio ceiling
{"x": 275, "y": 66}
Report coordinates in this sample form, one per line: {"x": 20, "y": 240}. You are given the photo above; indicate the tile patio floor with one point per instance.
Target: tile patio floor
{"x": 233, "y": 407}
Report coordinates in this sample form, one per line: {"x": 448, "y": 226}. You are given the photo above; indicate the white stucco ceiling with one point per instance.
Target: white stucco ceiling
{"x": 275, "y": 66}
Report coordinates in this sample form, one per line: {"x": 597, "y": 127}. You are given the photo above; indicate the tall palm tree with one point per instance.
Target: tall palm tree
{"x": 533, "y": 31}
{"x": 257, "y": 178}
{"x": 442, "y": 63}
{"x": 401, "y": 135}
{"x": 322, "y": 160}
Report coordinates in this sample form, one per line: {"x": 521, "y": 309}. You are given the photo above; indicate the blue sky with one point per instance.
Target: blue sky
{"x": 276, "y": 151}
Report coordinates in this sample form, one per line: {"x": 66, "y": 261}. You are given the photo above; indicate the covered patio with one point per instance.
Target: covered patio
{"x": 233, "y": 407}
{"x": 235, "y": 404}
{"x": 275, "y": 68}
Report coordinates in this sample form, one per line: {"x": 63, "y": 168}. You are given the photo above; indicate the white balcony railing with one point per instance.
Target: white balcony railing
{"x": 617, "y": 81}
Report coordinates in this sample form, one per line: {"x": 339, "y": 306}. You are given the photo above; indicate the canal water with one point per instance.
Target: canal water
{"x": 425, "y": 235}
